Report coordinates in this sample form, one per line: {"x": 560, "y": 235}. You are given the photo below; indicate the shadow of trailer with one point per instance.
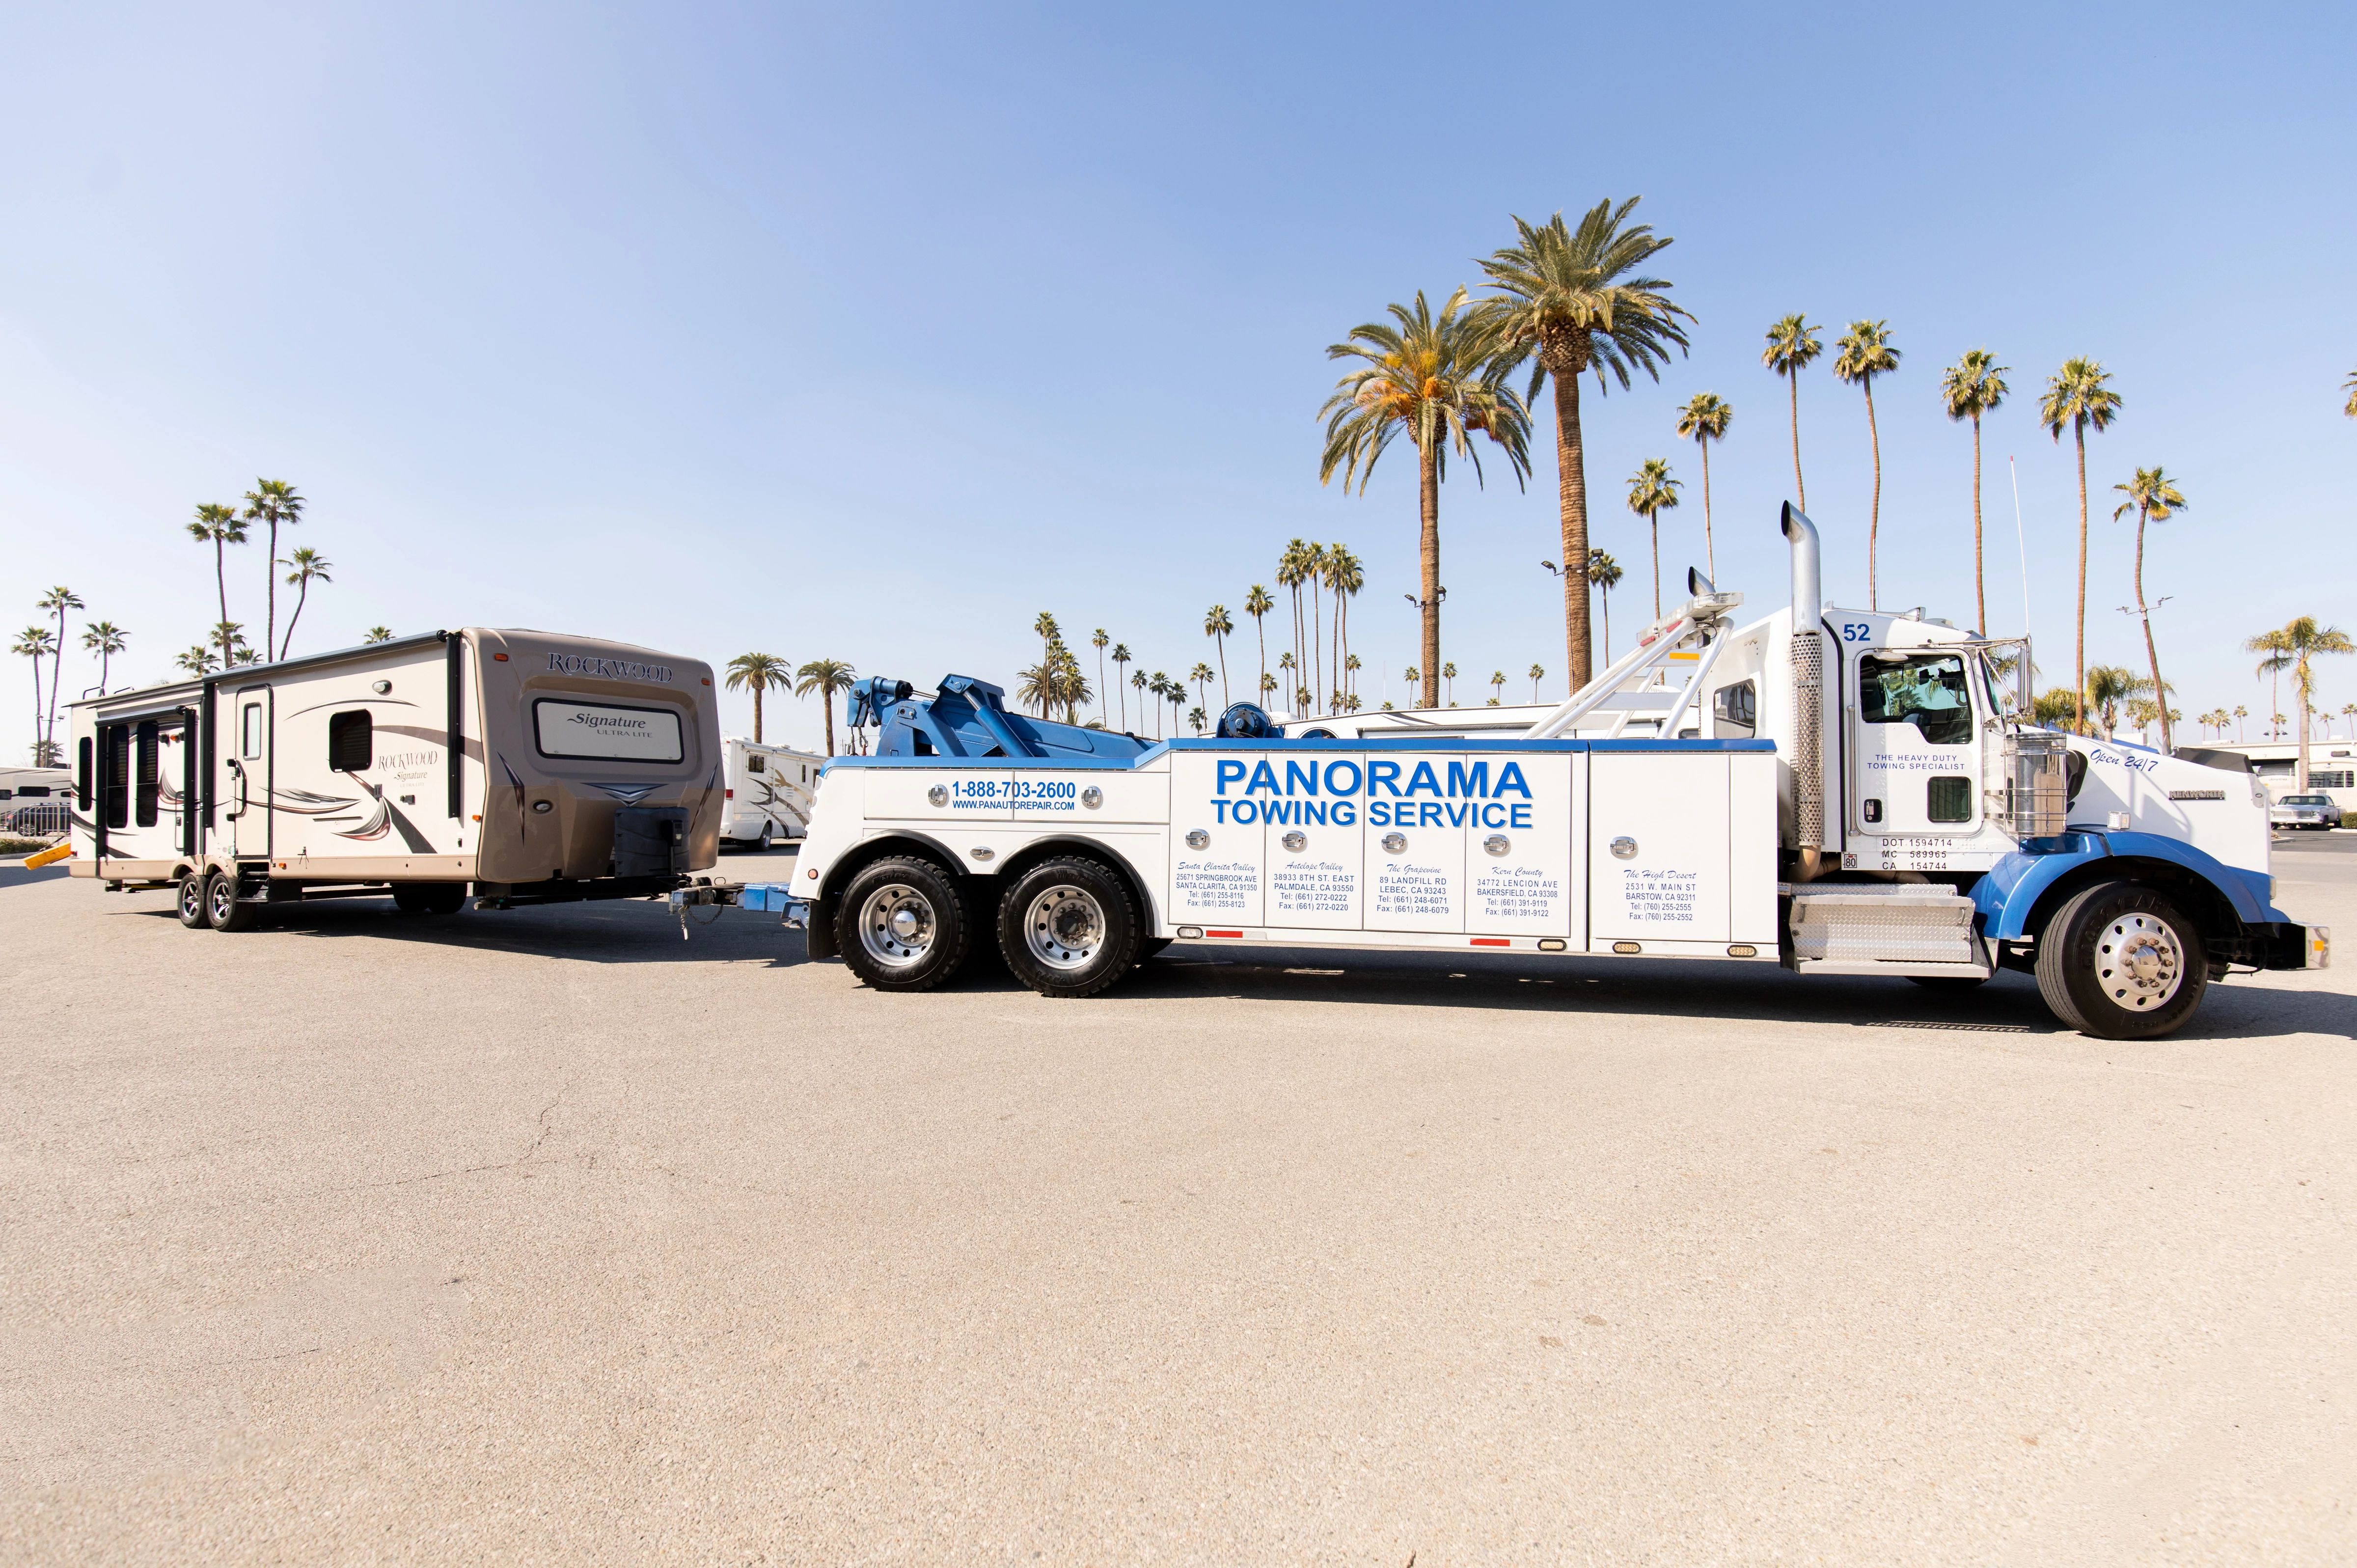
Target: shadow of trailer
{"x": 518, "y": 767}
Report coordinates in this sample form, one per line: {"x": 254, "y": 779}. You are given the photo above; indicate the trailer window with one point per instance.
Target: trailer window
{"x": 1927, "y": 691}
{"x": 1735, "y": 711}
{"x": 81, "y": 773}
{"x": 2329, "y": 779}
{"x": 754, "y": 764}
{"x": 249, "y": 736}
{"x": 143, "y": 803}
{"x": 351, "y": 741}
{"x": 606, "y": 734}
{"x": 117, "y": 781}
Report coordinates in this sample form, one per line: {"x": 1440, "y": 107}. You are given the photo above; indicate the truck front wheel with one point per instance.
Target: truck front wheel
{"x": 901, "y": 925}
{"x": 2122, "y": 962}
{"x": 1069, "y": 926}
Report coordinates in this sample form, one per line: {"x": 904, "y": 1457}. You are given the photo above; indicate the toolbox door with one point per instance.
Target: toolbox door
{"x": 1657, "y": 848}
{"x": 1218, "y": 843}
{"x": 1415, "y": 840}
{"x": 1316, "y": 845}
{"x": 1522, "y": 877}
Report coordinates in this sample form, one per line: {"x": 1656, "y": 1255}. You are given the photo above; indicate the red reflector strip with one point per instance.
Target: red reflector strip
{"x": 1238, "y": 935}
{"x": 1493, "y": 941}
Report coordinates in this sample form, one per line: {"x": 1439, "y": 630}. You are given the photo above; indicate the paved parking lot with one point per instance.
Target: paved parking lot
{"x": 546, "y": 1236}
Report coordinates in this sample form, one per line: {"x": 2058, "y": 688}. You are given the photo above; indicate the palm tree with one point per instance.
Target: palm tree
{"x": 2291, "y": 647}
{"x": 1195, "y": 719}
{"x": 2153, "y": 498}
{"x": 59, "y": 599}
{"x": 1346, "y": 575}
{"x": 1791, "y": 344}
{"x": 222, "y": 527}
{"x": 1097, "y": 639}
{"x": 378, "y": 634}
{"x": 1973, "y": 386}
{"x": 1292, "y": 571}
{"x": 1045, "y": 628}
{"x": 1568, "y": 302}
{"x": 2079, "y": 395}
{"x": 1496, "y": 686}
{"x": 309, "y": 564}
{"x": 1313, "y": 564}
{"x": 2108, "y": 686}
{"x": 1652, "y": 491}
{"x": 2055, "y": 705}
{"x": 1704, "y": 419}
{"x": 1138, "y": 681}
{"x": 1865, "y": 353}
{"x": 1292, "y": 683}
{"x": 2349, "y": 386}
{"x": 36, "y": 643}
{"x": 1203, "y": 675}
{"x": 271, "y": 501}
{"x": 1435, "y": 378}
{"x": 1413, "y": 678}
{"x": 1120, "y": 657}
{"x": 1267, "y": 685}
{"x": 1351, "y": 678}
{"x": 235, "y": 651}
{"x": 1605, "y": 574}
{"x": 199, "y": 660}
{"x": 1258, "y": 603}
{"x": 1174, "y": 693}
{"x": 1449, "y": 673}
{"x": 825, "y": 677}
{"x": 756, "y": 673}
{"x": 2348, "y": 712}
{"x": 2241, "y": 712}
{"x": 1537, "y": 675}
{"x": 106, "y": 639}
{"x": 1216, "y": 626}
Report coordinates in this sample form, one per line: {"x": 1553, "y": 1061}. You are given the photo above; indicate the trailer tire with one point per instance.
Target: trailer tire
{"x": 902, "y": 925}
{"x": 2120, "y": 961}
{"x": 189, "y": 899}
{"x": 1069, "y": 926}
{"x": 429, "y": 897}
{"x": 224, "y": 910}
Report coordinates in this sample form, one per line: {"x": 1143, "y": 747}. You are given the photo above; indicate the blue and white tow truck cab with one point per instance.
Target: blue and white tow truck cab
{"x": 1836, "y": 791}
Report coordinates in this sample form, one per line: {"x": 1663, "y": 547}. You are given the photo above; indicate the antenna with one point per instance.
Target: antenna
{"x": 2020, "y": 541}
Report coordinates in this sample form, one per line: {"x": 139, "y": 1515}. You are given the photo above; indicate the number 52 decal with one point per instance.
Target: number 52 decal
{"x": 1857, "y": 631}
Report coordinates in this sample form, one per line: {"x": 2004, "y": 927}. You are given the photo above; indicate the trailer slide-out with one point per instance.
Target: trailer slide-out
{"x": 1839, "y": 791}
{"x": 518, "y": 766}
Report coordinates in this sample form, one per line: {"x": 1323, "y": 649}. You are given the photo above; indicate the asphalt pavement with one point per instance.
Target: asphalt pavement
{"x": 545, "y": 1236}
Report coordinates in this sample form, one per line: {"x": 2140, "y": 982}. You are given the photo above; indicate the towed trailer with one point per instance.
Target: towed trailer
{"x": 1836, "y": 791}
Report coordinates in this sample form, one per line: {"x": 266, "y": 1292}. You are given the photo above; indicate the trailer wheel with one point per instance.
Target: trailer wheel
{"x": 2122, "y": 962}
{"x": 1069, "y": 926}
{"x": 429, "y": 897}
{"x": 901, "y": 925}
{"x": 224, "y": 911}
{"x": 189, "y": 898}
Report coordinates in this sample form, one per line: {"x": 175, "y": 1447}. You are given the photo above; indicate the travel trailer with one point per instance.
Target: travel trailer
{"x": 522, "y": 766}
{"x": 767, "y": 790}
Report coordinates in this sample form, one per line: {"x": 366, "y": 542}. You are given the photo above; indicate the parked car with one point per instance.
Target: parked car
{"x": 2304, "y": 811}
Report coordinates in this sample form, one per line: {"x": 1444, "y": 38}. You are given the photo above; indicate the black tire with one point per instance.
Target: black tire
{"x": 1957, "y": 982}
{"x": 224, "y": 910}
{"x": 763, "y": 846}
{"x": 902, "y": 925}
{"x": 2120, "y": 961}
{"x": 429, "y": 897}
{"x": 1069, "y": 926}
{"x": 409, "y": 898}
{"x": 188, "y": 898}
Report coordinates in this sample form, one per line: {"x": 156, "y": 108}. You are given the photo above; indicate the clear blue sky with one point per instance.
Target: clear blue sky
{"x": 871, "y": 331}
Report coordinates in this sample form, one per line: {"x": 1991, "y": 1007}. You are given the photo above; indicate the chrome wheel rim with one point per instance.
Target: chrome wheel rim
{"x": 221, "y": 898}
{"x": 897, "y": 926}
{"x": 192, "y": 900}
{"x": 2139, "y": 961}
{"x": 1065, "y": 927}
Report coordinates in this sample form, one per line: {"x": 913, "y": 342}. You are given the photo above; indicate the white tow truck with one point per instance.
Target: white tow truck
{"x": 1841, "y": 793}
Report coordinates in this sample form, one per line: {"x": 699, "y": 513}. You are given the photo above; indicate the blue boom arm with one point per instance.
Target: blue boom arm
{"x": 969, "y": 718}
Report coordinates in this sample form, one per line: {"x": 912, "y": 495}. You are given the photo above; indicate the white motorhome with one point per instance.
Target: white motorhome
{"x": 2332, "y": 766}
{"x": 767, "y": 790}
{"x": 525, "y": 766}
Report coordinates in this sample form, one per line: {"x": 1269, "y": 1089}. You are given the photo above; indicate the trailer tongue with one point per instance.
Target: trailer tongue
{"x": 1839, "y": 791}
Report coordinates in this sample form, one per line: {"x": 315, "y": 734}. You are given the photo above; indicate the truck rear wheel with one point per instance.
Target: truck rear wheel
{"x": 1069, "y": 926}
{"x": 2122, "y": 962}
{"x": 901, "y": 925}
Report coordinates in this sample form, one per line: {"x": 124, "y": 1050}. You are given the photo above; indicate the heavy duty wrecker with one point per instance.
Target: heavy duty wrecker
{"x": 1841, "y": 792}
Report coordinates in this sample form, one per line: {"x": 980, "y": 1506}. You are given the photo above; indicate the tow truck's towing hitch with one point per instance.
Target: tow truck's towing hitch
{"x": 767, "y": 898}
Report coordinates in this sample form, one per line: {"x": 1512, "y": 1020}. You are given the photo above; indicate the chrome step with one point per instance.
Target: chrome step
{"x": 1865, "y": 928}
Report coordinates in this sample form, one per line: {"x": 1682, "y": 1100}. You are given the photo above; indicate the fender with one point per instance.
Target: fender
{"x": 2011, "y": 891}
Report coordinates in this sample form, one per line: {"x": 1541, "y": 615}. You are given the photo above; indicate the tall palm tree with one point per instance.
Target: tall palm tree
{"x": 1139, "y": 681}
{"x": 1049, "y": 634}
{"x": 1120, "y": 657}
{"x": 1313, "y": 563}
{"x": 1346, "y": 575}
{"x": 1097, "y": 639}
{"x": 1350, "y": 680}
{"x": 106, "y": 639}
{"x": 1568, "y": 300}
{"x": 1538, "y": 674}
{"x": 1449, "y": 673}
{"x": 309, "y": 565}
{"x": 199, "y": 660}
{"x": 1604, "y": 573}
{"x": 1292, "y": 571}
{"x": 274, "y": 502}
{"x": 757, "y": 672}
{"x": 1434, "y": 379}
{"x": 1203, "y": 675}
{"x": 36, "y": 643}
{"x": 1703, "y": 419}
{"x": 1411, "y": 678}
{"x": 1496, "y": 686}
{"x": 2080, "y": 394}
{"x": 1651, "y": 492}
{"x": 2291, "y": 647}
{"x": 1175, "y": 694}
{"x": 1216, "y": 626}
{"x": 58, "y": 600}
{"x": 1973, "y": 386}
{"x": 2241, "y": 712}
{"x": 221, "y": 527}
{"x": 378, "y": 634}
{"x": 1195, "y": 719}
{"x": 1792, "y": 342}
{"x": 826, "y": 677}
{"x": 1865, "y": 353}
{"x": 1258, "y": 603}
{"x": 1292, "y": 683}
{"x": 2154, "y": 497}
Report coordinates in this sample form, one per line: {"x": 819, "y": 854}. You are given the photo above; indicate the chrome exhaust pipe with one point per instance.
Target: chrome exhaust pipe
{"x": 1808, "y": 694}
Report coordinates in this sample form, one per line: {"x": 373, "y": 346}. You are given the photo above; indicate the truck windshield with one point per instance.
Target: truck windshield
{"x": 1927, "y": 691}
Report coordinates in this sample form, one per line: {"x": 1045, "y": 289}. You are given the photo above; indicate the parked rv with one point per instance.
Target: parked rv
{"x": 768, "y": 790}
{"x": 520, "y": 766}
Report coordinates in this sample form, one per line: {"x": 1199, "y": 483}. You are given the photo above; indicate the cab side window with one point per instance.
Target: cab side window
{"x": 1735, "y": 711}
{"x": 351, "y": 741}
{"x": 1927, "y": 691}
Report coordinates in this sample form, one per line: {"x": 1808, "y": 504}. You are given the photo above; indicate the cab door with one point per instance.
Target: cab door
{"x": 1914, "y": 744}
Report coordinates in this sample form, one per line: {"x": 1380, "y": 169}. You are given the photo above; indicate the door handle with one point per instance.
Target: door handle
{"x": 239, "y": 773}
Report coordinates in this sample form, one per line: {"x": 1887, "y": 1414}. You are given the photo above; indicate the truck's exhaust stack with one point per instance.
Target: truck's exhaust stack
{"x": 1808, "y": 694}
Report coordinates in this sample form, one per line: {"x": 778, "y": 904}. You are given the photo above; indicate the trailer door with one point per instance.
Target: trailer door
{"x": 247, "y": 773}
